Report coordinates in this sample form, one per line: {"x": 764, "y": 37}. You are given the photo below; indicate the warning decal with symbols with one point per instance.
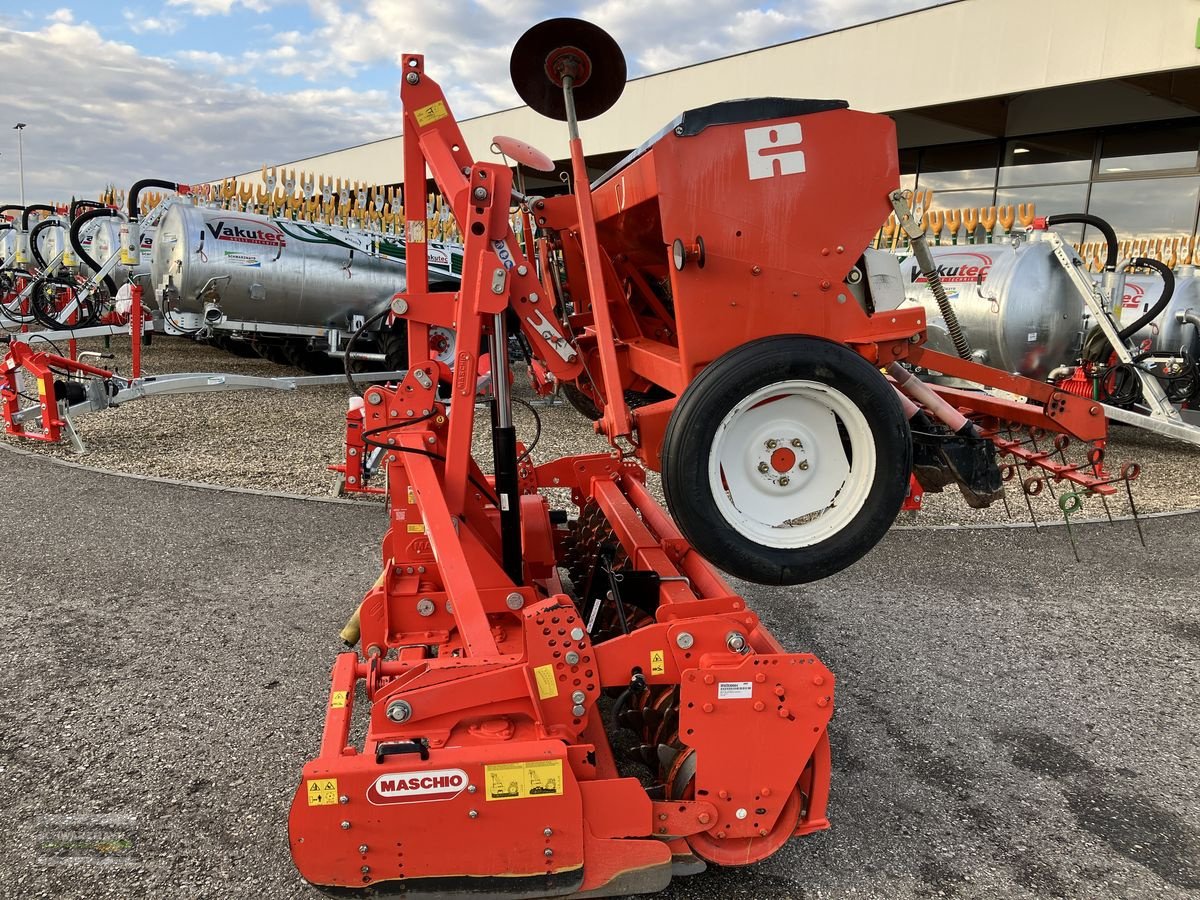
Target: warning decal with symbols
{"x": 322, "y": 791}
{"x": 514, "y": 781}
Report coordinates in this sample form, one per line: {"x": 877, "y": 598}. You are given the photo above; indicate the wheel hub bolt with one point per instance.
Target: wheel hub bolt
{"x": 796, "y": 442}
{"x": 762, "y": 467}
{"x": 772, "y": 444}
{"x": 784, "y": 481}
{"x": 803, "y": 467}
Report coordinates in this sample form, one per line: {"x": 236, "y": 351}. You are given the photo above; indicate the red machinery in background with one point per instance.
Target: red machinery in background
{"x": 717, "y": 328}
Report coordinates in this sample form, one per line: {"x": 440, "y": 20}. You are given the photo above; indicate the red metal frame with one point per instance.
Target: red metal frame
{"x": 483, "y": 729}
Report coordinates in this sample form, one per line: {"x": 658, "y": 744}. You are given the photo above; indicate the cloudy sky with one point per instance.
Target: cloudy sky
{"x": 197, "y": 89}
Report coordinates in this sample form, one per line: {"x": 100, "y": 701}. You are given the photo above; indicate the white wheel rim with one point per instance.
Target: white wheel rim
{"x": 811, "y": 487}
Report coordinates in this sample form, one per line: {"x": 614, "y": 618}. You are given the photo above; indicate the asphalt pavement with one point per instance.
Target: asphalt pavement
{"x": 1009, "y": 722}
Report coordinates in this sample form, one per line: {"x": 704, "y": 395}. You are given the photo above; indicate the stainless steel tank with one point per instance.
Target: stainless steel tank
{"x": 275, "y": 271}
{"x": 1166, "y": 334}
{"x": 1015, "y": 304}
{"x": 104, "y": 241}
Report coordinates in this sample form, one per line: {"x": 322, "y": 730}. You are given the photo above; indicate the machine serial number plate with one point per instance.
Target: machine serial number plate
{"x": 735, "y": 690}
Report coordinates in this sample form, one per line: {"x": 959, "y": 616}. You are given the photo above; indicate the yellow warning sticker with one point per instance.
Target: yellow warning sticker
{"x": 658, "y": 662}
{"x": 416, "y": 528}
{"x": 322, "y": 791}
{"x": 412, "y": 498}
{"x": 337, "y": 700}
{"x": 516, "y": 781}
{"x": 547, "y": 686}
{"x": 427, "y": 115}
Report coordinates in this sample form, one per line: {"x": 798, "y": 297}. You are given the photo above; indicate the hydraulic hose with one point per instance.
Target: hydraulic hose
{"x": 1110, "y": 236}
{"x": 1168, "y": 279}
{"x": 77, "y": 245}
{"x": 36, "y": 207}
{"x": 17, "y": 207}
{"x": 33, "y": 239}
{"x": 139, "y": 186}
{"x": 77, "y": 205}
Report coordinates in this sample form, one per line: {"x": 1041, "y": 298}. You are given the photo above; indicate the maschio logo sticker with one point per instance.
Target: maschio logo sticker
{"x": 775, "y": 151}
{"x": 417, "y": 787}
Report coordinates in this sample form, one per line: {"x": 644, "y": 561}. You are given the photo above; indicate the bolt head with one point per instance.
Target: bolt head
{"x": 548, "y": 852}
{"x": 474, "y": 814}
{"x": 684, "y": 640}
{"x": 784, "y": 481}
{"x": 362, "y": 848}
{"x": 514, "y": 601}
{"x": 772, "y": 444}
{"x": 366, "y": 869}
{"x": 803, "y": 467}
{"x": 762, "y": 467}
{"x": 345, "y": 825}
{"x": 399, "y": 711}
{"x": 548, "y": 832}
{"x": 577, "y": 634}
{"x": 796, "y": 442}
{"x": 578, "y": 711}
{"x": 480, "y": 193}
{"x": 578, "y": 697}
{"x": 343, "y": 799}
{"x": 412, "y": 78}
{"x": 374, "y": 398}
{"x": 572, "y": 658}
{"x": 741, "y": 813}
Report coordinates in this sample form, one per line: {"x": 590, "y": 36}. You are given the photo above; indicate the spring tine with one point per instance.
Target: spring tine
{"x": 1007, "y": 508}
{"x": 1031, "y": 487}
{"x": 1127, "y": 478}
{"x": 1069, "y": 503}
{"x": 1107, "y": 510}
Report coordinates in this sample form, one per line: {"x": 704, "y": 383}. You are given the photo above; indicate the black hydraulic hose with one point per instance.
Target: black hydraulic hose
{"x": 1110, "y": 236}
{"x": 33, "y": 239}
{"x": 1168, "y": 279}
{"x": 77, "y": 245}
{"x": 139, "y": 186}
{"x": 77, "y": 205}
{"x": 17, "y": 207}
{"x": 36, "y": 207}
{"x": 350, "y": 346}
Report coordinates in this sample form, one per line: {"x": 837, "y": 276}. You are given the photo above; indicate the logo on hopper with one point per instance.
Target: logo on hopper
{"x": 252, "y": 233}
{"x": 958, "y": 268}
{"x": 416, "y": 787}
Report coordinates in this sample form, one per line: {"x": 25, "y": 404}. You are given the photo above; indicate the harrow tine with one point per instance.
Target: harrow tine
{"x": 1070, "y": 503}
{"x": 1130, "y": 471}
{"x": 1031, "y": 487}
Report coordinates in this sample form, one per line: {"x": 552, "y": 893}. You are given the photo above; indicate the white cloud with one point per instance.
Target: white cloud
{"x": 130, "y": 116}
{"x": 64, "y": 16}
{"x": 140, "y": 24}
{"x": 220, "y": 7}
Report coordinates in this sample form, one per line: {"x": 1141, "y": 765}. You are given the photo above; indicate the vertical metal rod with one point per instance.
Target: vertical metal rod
{"x": 504, "y": 455}
{"x": 20, "y": 130}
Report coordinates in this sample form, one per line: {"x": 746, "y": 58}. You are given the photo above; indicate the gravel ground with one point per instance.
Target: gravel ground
{"x": 284, "y": 441}
{"x": 1007, "y": 724}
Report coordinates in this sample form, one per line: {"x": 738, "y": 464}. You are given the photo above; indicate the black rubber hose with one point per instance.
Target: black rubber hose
{"x": 1168, "y": 279}
{"x": 139, "y": 186}
{"x": 77, "y": 205}
{"x": 33, "y": 239}
{"x": 77, "y": 245}
{"x": 17, "y": 207}
{"x": 36, "y": 207}
{"x": 1110, "y": 236}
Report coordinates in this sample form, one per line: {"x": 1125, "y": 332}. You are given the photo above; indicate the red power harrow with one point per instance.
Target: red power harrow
{"x": 716, "y": 328}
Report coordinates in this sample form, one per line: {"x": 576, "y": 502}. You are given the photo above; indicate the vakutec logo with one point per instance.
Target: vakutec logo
{"x": 412, "y": 787}
{"x": 972, "y": 268}
{"x": 230, "y": 230}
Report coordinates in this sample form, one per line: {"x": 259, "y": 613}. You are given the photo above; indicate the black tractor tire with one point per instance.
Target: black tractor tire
{"x": 717, "y": 390}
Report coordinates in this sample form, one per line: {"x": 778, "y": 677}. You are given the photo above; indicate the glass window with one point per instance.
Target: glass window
{"x": 1172, "y": 147}
{"x": 958, "y": 166}
{"x": 1047, "y": 201}
{"x": 1050, "y": 157}
{"x": 1152, "y": 207}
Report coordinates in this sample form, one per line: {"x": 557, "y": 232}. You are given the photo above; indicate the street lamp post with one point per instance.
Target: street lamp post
{"x": 19, "y": 128}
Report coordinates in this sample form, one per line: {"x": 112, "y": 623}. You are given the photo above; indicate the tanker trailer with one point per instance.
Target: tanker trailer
{"x": 298, "y": 287}
{"x": 1015, "y": 304}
